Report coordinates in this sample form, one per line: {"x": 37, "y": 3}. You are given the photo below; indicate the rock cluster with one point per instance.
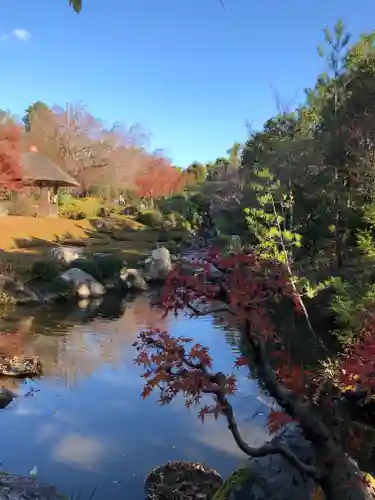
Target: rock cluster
{"x": 67, "y": 272}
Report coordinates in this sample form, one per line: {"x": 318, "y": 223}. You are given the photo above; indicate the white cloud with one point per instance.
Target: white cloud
{"x": 84, "y": 453}
{"x": 21, "y": 34}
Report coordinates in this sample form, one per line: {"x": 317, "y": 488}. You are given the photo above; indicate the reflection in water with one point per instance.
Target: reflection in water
{"x": 86, "y": 425}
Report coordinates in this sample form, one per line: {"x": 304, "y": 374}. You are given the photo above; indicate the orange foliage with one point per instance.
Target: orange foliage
{"x": 10, "y": 157}
{"x": 159, "y": 178}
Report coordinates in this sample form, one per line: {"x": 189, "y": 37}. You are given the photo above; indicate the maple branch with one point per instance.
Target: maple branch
{"x": 259, "y": 451}
{"x": 216, "y": 387}
{"x": 314, "y": 428}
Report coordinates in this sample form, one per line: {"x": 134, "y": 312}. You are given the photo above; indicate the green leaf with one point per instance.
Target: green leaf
{"x": 76, "y": 4}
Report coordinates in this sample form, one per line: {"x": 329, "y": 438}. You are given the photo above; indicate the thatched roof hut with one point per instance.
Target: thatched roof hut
{"x": 38, "y": 170}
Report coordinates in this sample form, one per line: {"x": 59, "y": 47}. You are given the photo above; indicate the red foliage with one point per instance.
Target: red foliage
{"x": 159, "y": 178}
{"x": 172, "y": 367}
{"x": 357, "y": 367}
{"x": 175, "y": 365}
{"x": 10, "y": 157}
{"x": 247, "y": 288}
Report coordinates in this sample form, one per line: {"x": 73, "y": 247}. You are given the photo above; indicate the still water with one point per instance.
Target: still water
{"x": 84, "y": 424}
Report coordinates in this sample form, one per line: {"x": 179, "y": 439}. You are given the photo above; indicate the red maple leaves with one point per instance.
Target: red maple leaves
{"x": 247, "y": 287}
{"x": 357, "y": 368}
{"x": 180, "y": 366}
{"x": 173, "y": 366}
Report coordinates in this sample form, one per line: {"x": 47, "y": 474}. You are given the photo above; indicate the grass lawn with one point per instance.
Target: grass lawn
{"x": 26, "y": 239}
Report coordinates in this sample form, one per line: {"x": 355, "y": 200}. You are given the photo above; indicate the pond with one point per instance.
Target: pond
{"x": 83, "y": 425}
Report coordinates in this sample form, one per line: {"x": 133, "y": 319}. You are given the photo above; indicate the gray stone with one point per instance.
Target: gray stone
{"x": 273, "y": 477}
{"x": 13, "y": 487}
{"x": 158, "y": 265}
{"x": 83, "y": 284}
{"x": 65, "y": 255}
{"x": 133, "y": 280}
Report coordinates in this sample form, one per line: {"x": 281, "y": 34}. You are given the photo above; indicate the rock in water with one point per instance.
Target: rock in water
{"x": 158, "y": 265}
{"x": 83, "y": 284}
{"x": 14, "y": 487}
{"x": 20, "y": 366}
{"x": 6, "y": 397}
{"x": 133, "y": 280}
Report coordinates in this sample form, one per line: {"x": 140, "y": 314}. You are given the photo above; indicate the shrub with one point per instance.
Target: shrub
{"x": 79, "y": 208}
{"x": 45, "y": 270}
{"x": 195, "y": 219}
{"x": 228, "y": 242}
{"x": 169, "y": 221}
{"x": 178, "y": 203}
{"x": 7, "y": 304}
{"x": 6, "y": 300}
{"x": 109, "y": 265}
{"x": 151, "y": 218}
{"x": 181, "y": 222}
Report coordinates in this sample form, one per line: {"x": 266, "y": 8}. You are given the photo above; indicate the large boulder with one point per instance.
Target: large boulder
{"x": 65, "y": 255}
{"x": 158, "y": 265}
{"x": 82, "y": 284}
{"x": 15, "y": 487}
{"x": 272, "y": 477}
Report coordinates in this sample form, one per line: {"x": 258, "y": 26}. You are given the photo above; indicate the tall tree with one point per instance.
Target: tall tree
{"x": 234, "y": 154}
{"x": 32, "y": 112}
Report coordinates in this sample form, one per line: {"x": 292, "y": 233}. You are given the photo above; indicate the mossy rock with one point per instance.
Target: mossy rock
{"x": 151, "y": 218}
{"x": 234, "y": 481}
{"x": 45, "y": 270}
{"x": 182, "y": 480}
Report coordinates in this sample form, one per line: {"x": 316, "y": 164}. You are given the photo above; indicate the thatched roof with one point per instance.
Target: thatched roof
{"x": 37, "y": 169}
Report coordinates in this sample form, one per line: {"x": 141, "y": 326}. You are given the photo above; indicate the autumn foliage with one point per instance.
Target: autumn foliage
{"x": 10, "y": 157}
{"x": 159, "y": 178}
{"x": 96, "y": 155}
{"x": 247, "y": 289}
{"x": 178, "y": 365}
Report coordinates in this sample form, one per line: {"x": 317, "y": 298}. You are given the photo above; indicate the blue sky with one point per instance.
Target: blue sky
{"x": 190, "y": 71}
